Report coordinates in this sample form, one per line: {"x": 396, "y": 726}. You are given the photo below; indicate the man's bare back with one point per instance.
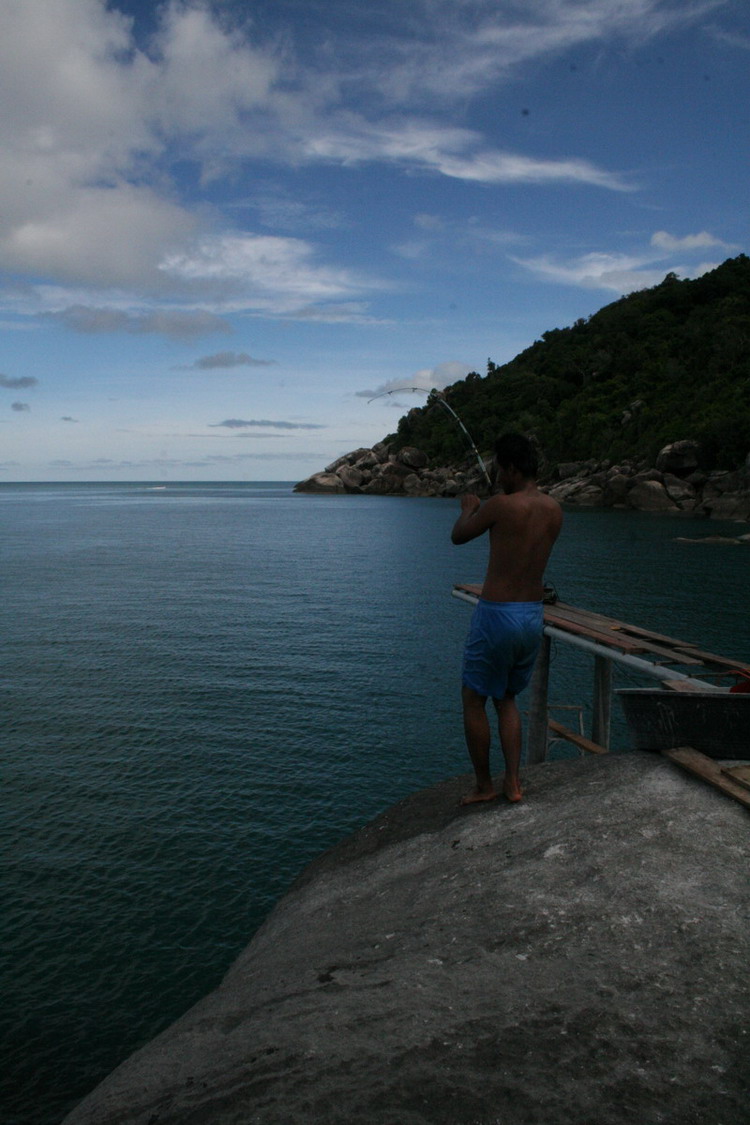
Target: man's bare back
{"x": 523, "y": 524}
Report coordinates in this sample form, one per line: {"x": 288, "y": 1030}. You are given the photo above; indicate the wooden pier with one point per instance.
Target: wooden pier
{"x": 681, "y": 666}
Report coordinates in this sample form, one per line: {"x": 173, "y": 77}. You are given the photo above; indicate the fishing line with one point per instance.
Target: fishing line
{"x": 439, "y": 398}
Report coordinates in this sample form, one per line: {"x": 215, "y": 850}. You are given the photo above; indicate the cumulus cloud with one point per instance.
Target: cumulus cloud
{"x": 425, "y": 380}
{"x": 19, "y": 382}
{"x": 95, "y": 123}
{"x": 223, "y": 361}
{"x": 175, "y": 322}
{"x": 20, "y": 407}
{"x": 243, "y": 424}
{"x": 91, "y": 126}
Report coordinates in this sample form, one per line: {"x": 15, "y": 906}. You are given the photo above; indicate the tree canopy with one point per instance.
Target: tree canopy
{"x": 660, "y": 365}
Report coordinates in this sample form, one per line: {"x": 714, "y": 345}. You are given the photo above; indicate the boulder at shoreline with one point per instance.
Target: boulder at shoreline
{"x": 674, "y": 484}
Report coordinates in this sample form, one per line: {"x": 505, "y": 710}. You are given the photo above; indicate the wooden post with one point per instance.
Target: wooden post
{"x": 602, "y": 702}
{"x": 537, "y": 734}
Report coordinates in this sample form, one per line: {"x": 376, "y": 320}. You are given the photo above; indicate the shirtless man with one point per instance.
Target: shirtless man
{"x": 506, "y": 627}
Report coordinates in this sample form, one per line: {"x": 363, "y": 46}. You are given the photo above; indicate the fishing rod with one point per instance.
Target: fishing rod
{"x": 440, "y": 397}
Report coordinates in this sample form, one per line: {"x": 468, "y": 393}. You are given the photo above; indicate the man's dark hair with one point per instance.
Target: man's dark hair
{"x": 516, "y": 450}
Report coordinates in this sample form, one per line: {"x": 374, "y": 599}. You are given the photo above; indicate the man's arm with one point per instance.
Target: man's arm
{"x": 475, "y": 518}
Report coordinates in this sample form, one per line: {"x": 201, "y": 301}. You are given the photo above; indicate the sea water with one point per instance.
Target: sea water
{"x": 205, "y": 685}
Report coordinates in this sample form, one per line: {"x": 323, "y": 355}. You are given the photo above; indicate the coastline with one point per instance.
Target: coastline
{"x": 674, "y": 484}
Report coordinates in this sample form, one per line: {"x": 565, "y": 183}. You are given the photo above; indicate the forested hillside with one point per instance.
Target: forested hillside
{"x": 661, "y": 365}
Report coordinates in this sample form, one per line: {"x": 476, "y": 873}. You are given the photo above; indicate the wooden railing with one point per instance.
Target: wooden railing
{"x": 609, "y": 641}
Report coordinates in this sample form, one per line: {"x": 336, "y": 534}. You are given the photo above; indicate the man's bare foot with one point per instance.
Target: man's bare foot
{"x": 478, "y": 795}
{"x": 512, "y": 791}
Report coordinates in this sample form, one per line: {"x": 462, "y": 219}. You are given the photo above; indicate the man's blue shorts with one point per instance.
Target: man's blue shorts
{"x": 501, "y": 648}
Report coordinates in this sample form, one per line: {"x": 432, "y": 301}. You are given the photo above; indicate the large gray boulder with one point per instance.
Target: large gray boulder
{"x": 413, "y": 486}
{"x": 650, "y": 496}
{"x": 380, "y": 449}
{"x": 616, "y": 488}
{"x": 411, "y": 457}
{"x": 579, "y": 491}
{"x": 578, "y": 958}
{"x": 679, "y": 457}
{"x": 351, "y": 478}
{"x": 680, "y": 491}
{"x": 321, "y": 482}
{"x": 730, "y": 506}
{"x": 368, "y": 460}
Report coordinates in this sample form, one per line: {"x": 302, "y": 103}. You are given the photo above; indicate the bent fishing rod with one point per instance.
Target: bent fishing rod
{"x": 439, "y": 397}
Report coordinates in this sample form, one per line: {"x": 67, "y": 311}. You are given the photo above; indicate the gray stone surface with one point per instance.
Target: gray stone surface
{"x": 578, "y": 959}
{"x": 650, "y": 496}
{"x": 321, "y": 482}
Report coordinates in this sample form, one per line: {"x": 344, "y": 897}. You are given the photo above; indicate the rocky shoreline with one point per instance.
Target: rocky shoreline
{"x": 675, "y": 483}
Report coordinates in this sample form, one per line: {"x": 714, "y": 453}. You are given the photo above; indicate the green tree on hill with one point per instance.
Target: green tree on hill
{"x": 659, "y": 365}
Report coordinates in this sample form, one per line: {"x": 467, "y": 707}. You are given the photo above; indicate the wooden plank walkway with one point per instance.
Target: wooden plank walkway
{"x": 720, "y": 777}
{"x": 645, "y": 644}
{"x": 626, "y": 638}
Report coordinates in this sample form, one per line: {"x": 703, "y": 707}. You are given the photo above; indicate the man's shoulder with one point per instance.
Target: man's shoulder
{"x": 516, "y": 504}
{"x": 550, "y": 502}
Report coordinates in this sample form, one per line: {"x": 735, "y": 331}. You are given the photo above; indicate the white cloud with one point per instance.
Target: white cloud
{"x": 412, "y": 249}
{"x": 205, "y": 77}
{"x": 664, "y": 241}
{"x": 95, "y": 124}
{"x": 448, "y": 50}
{"x": 428, "y": 222}
{"x": 425, "y": 380}
{"x": 343, "y": 312}
{"x": 91, "y": 123}
{"x": 465, "y": 237}
{"x": 621, "y": 273}
{"x": 108, "y": 236}
{"x": 453, "y": 152}
{"x": 731, "y": 38}
{"x": 264, "y": 270}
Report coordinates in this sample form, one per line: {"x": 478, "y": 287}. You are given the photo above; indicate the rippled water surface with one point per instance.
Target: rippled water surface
{"x": 203, "y": 686}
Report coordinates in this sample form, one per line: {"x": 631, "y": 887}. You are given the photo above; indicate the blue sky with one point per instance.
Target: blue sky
{"x": 225, "y": 225}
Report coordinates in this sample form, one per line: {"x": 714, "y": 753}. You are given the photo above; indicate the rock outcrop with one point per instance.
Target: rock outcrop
{"x": 674, "y": 484}
{"x": 379, "y": 472}
{"x": 580, "y": 957}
